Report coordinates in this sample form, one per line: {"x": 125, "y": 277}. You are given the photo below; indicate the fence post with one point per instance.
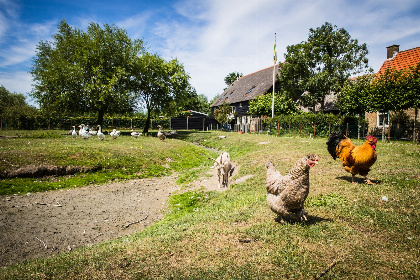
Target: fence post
{"x": 187, "y": 121}
{"x": 364, "y": 130}
{"x": 329, "y": 130}
{"x": 314, "y": 129}
{"x": 389, "y": 131}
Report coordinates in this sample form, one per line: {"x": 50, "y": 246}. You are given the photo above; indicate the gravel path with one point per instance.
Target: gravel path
{"x": 42, "y": 224}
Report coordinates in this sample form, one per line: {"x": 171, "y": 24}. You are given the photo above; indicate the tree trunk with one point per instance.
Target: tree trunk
{"x": 100, "y": 117}
{"x": 414, "y": 125}
{"x": 146, "y": 125}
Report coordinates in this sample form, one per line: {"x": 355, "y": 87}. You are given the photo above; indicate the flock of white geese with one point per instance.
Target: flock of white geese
{"x": 85, "y": 132}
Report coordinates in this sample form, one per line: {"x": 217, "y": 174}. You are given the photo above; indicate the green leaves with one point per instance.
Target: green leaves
{"x": 85, "y": 71}
{"x": 262, "y": 105}
{"x": 321, "y": 65}
{"x": 160, "y": 85}
{"x": 232, "y": 77}
{"x": 392, "y": 90}
{"x": 221, "y": 114}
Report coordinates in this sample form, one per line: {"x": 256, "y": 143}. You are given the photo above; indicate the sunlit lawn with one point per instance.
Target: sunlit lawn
{"x": 368, "y": 232}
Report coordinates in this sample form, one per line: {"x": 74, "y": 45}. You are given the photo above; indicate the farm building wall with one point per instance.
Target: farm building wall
{"x": 194, "y": 122}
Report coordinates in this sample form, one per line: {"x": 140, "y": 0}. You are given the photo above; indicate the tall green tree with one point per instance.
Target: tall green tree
{"x": 160, "y": 86}
{"x": 199, "y": 103}
{"x": 232, "y": 77}
{"x": 13, "y": 108}
{"x": 223, "y": 113}
{"x": 356, "y": 96}
{"x": 396, "y": 90}
{"x": 322, "y": 64}
{"x": 262, "y": 105}
{"x": 85, "y": 71}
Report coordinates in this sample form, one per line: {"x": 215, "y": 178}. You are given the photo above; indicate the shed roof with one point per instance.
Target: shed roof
{"x": 248, "y": 87}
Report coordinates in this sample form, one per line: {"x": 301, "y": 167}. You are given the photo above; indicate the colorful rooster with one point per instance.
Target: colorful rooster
{"x": 356, "y": 159}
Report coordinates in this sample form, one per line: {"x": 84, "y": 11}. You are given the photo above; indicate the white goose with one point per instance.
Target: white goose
{"x": 135, "y": 134}
{"x": 101, "y": 136}
{"x": 114, "y": 133}
{"x": 83, "y": 132}
{"x": 91, "y": 132}
{"x": 74, "y": 133}
{"x": 82, "y": 129}
{"x": 161, "y": 134}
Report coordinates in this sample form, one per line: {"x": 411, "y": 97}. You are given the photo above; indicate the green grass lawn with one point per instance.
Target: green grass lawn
{"x": 232, "y": 234}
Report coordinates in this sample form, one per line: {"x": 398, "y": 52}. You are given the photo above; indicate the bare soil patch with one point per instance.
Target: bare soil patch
{"x": 35, "y": 171}
{"x": 43, "y": 224}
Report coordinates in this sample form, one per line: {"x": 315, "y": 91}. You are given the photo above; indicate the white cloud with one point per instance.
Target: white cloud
{"x": 215, "y": 37}
{"x": 18, "y": 81}
{"x": 136, "y": 25}
{"x": 8, "y": 12}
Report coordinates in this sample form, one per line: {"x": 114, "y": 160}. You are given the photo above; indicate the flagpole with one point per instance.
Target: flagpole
{"x": 274, "y": 74}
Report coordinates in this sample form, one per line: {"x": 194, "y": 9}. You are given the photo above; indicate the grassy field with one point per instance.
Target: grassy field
{"x": 232, "y": 234}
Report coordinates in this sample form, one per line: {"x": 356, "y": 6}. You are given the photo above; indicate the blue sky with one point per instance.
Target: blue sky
{"x": 212, "y": 38}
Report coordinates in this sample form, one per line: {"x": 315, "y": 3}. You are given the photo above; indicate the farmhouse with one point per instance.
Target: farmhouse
{"x": 397, "y": 60}
{"x": 244, "y": 89}
{"x": 251, "y": 86}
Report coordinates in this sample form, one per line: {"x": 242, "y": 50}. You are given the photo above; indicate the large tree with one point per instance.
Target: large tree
{"x": 322, "y": 64}
{"x": 223, "y": 114}
{"x": 396, "y": 90}
{"x": 356, "y": 96}
{"x": 232, "y": 77}
{"x": 13, "y": 108}
{"x": 85, "y": 71}
{"x": 160, "y": 86}
{"x": 262, "y": 105}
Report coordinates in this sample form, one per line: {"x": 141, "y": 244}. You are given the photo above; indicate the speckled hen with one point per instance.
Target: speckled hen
{"x": 287, "y": 193}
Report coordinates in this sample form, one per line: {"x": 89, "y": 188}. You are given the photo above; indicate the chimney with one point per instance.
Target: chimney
{"x": 391, "y": 51}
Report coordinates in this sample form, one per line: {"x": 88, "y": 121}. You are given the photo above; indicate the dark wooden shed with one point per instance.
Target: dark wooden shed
{"x": 196, "y": 120}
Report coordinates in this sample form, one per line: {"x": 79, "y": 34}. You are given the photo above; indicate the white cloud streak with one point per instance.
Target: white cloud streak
{"x": 219, "y": 37}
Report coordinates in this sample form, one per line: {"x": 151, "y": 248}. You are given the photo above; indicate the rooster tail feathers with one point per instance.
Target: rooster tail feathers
{"x": 332, "y": 143}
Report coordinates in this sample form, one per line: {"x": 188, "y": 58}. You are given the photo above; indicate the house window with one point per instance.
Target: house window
{"x": 382, "y": 119}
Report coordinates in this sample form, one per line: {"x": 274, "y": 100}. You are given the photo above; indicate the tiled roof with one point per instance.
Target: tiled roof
{"x": 248, "y": 87}
{"x": 403, "y": 60}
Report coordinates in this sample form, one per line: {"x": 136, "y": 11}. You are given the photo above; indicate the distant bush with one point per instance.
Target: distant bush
{"x": 306, "y": 123}
{"x": 40, "y": 122}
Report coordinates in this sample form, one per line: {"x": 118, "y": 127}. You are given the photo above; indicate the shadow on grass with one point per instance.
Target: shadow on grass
{"x": 312, "y": 220}
{"x": 357, "y": 179}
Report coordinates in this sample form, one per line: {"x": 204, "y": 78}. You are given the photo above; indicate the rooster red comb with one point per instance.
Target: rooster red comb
{"x": 371, "y": 138}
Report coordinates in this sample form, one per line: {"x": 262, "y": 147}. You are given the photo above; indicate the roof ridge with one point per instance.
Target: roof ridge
{"x": 409, "y": 49}
{"x": 259, "y": 70}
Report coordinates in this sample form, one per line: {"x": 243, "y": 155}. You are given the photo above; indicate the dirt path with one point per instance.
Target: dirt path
{"x": 42, "y": 224}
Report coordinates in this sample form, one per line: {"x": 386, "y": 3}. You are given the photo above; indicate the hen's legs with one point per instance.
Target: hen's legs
{"x": 303, "y": 215}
